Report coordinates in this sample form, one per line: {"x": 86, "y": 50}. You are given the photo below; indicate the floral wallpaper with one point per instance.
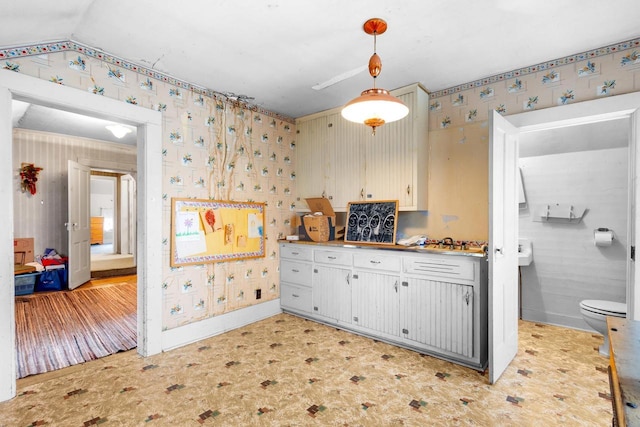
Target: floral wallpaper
{"x": 584, "y": 76}
{"x": 459, "y": 132}
{"x": 213, "y": 148}
{"x": 216, "y": 148}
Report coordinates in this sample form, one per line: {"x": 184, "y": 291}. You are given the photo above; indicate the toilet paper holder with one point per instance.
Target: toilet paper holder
{"x": 603, "y": 236}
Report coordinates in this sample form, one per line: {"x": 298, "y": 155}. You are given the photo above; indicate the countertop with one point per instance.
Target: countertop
{"x": 473, "y": 251}
{"x": 624, "y": 338}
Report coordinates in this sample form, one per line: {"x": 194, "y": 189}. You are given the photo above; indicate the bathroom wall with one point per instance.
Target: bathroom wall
{"x": 584, "y": 167}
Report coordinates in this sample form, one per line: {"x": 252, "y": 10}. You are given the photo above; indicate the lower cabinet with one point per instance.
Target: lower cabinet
{"x": 375, "y": 302}
{"x": 331, "y": 293}
{"x": 295, "y": 297}
{"x": 439, "y": 315}
{"x": 431, "y": 303}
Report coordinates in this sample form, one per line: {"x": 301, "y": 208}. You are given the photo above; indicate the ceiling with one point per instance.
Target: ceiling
{"x": 276, "y": 51}
{"x": 46, "y": 119}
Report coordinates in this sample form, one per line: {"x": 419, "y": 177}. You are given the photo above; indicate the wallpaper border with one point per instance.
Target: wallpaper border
{"x": 73, "y": 46}
{"x": 70, "y": 45}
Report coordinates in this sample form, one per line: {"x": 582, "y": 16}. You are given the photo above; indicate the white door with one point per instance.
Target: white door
{"x": 79, "y": 225}
{"x": 633, "y": 279}
{"x": 503, "y": 245}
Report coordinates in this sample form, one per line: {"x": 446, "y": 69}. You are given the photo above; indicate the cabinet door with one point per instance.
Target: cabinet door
{"x": 311, "y": 146}
{"x": 438, "y": 314}
{"x": 391, "y": 159}
{"x": 349, "y": 170}
{"x": 331, "y": 293}
{"x": 375, "y": 302}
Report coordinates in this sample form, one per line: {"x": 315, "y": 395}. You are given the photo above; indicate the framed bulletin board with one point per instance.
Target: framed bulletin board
{"x": 372, "y": 222}
{"x": 205, "y": 231}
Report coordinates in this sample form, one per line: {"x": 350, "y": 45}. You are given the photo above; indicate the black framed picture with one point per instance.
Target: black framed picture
{"x": 373, "y": 222}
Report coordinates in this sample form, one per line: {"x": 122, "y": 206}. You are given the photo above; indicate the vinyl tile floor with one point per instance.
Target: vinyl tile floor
{"x": 287, "y": 371}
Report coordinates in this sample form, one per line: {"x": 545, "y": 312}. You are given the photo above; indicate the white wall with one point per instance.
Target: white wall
{"x": 43, "y": 216}
{"x": 567, "y": 266}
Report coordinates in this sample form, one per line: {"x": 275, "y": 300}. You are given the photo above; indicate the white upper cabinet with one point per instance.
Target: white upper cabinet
{"x": 310, "y": 158}
{"x": 344, "y": 162}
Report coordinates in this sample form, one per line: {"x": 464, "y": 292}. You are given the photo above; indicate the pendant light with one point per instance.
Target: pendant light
{"x": 375, "y": 107}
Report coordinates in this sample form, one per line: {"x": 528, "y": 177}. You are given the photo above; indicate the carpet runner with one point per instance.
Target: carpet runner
{"x": 59, "y": 329}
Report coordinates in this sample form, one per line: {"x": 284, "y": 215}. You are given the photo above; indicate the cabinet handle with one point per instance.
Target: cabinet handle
{"x": 324, "y": 194}
{"x": 408, "y": 190}
{"x": 348, "y": 278}
{"x": 374, "y": 262}
{"x": 396, "y": 286}
{"x": 295, "y": 295}
{"x": 295, "y": 271}
{"x": 331, "y": 257}
{"x": 466, "y": 298}
{"x": 295, "y": 253}
{"x": 362, "y": 194}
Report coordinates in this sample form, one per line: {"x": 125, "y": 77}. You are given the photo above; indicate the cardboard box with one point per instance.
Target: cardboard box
{"x": 23, "y": 246}
{"x": 320, "y": 224}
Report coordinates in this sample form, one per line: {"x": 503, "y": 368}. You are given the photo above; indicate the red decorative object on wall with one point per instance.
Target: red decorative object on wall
{"x": 29, "y": 176}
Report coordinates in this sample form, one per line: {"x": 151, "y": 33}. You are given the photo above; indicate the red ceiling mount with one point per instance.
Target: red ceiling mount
{"x": 375, "y": 26}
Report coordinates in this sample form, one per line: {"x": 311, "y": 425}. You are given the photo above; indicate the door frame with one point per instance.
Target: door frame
{"x": 619, "y": 106}
{"x": 149, "y": 204}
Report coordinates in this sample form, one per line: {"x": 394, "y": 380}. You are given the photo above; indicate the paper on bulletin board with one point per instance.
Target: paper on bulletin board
{"x": 189, "y": 238}
{"x": 255, "y": 226}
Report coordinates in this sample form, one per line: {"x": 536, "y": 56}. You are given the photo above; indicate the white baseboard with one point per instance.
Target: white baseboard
{"x": 183, "y": 335}
{"x": 555, "y": 319}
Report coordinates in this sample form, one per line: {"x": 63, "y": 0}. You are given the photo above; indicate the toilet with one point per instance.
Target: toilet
{"x": 594, "y": 313}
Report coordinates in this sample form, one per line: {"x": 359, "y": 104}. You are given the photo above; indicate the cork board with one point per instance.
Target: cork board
{"x": 206, "y": 231}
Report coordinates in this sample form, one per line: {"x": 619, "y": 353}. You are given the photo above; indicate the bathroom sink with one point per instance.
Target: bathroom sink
{"x": 525, "y": 252}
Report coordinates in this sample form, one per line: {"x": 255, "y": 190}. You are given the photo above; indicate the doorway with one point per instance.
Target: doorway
{"x": 149, "y": 199}
{"x": 112, "y": 210}
{"x": 604, "y": 109}
{"x": 581, "y": 173}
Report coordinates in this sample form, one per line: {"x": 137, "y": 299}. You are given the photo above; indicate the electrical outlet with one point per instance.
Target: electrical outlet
{"x": 258, "y": 293}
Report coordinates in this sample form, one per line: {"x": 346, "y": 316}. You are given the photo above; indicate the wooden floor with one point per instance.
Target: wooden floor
{"x": 109, "y": 281}
{"x": 64, "y": 328}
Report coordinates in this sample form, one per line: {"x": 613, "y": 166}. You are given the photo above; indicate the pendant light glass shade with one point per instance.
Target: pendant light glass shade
{"x": 375, "y": 107}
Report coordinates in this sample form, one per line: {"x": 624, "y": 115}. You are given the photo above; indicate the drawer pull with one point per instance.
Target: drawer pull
{"x": 331, "y": 257}
{"x": 374, "y": 262}
{"x": 295, "y": 270}
{"x": 295, "y": 295}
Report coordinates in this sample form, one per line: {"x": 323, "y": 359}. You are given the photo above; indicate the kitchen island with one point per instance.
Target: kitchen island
{"x": 428, "y": 299}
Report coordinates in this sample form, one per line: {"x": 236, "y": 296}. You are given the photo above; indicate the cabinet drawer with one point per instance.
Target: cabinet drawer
{"x": 295, "y": 272}
{"x": 446, "y": 266}
{"x": 295, "y": 297}
{"x": 376, "y": 261}
{"x": 292, "y": 251}
{"x": 333, "y": 257}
